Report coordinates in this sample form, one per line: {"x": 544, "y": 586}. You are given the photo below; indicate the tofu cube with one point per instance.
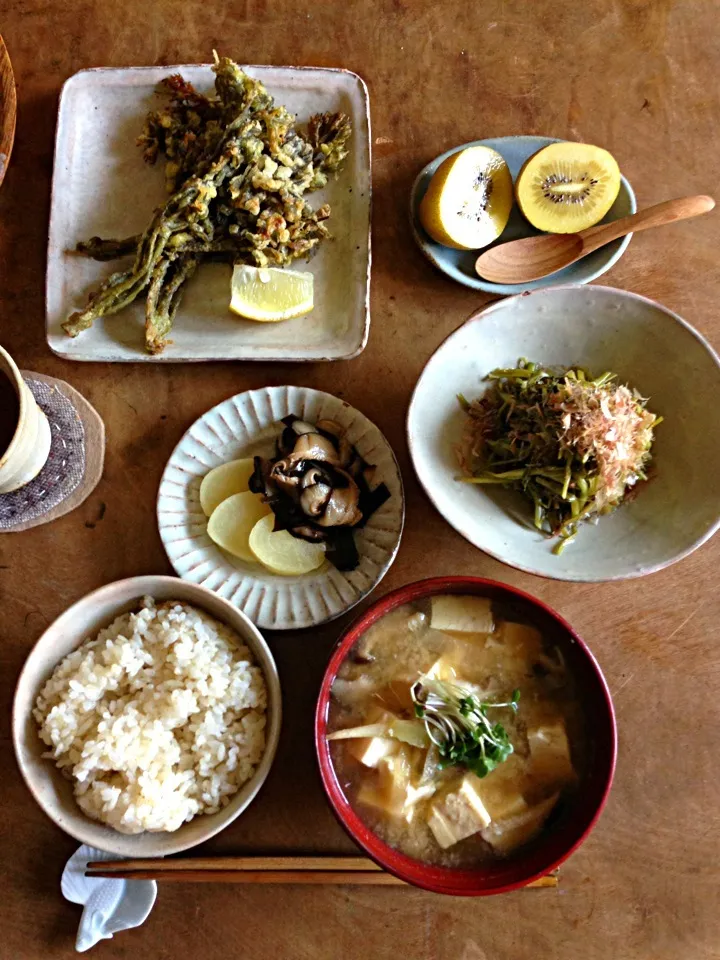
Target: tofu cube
{"x": 413, "y": 797}
{"x": 501, "y": 790}
{"x": 520, "y": 639}
{"x": 388, "y": 791}
{"x": 370, "y": 751}
{"x": 446, "y": 833}
{"x": 462, "y": 614}
{"x": 458, "y": 814}
{"x": 512, "y": 651}
{"x": 551, "y": 764}
{"x": 442, "y": 669}
{"x": 464, "y": 662}
{"x": 504, "y": 836}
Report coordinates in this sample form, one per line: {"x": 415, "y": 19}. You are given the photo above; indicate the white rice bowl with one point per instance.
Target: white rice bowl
{"x": 157, "y": 720}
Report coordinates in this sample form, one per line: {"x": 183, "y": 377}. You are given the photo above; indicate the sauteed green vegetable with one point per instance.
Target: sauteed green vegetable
{"x": 574, "y": 444}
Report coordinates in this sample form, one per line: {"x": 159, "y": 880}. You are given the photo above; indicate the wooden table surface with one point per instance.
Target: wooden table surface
{"x": 636, "y": 76}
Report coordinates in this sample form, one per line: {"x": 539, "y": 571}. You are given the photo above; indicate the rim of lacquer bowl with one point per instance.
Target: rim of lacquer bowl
{"x": 541, "y": 858}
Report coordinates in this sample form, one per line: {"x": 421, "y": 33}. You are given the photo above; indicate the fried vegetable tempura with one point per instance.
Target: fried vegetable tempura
{"x": 236, "y": 170}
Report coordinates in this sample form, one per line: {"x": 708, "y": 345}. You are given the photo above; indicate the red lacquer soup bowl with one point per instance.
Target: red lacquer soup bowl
{"x": 554, "y": 844}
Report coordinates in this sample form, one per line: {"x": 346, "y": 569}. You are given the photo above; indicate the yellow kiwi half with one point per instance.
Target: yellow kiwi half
{"x": 567, "y": 187}
{"x": 468, "y": 200}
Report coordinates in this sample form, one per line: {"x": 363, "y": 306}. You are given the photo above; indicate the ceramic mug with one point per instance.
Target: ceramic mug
{"x": 29, "y": 445}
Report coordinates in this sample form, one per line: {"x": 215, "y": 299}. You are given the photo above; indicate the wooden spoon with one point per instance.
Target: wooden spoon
{"x": 535, "y": 257}
{"x": 8, "y": 108}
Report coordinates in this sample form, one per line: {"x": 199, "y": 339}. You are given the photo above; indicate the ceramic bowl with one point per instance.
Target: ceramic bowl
{"x": 459, "y": 265}
{"x": 246, "y": 425}
{"x": 28, "y": 450}
{"x": 555, "y": 844}
{"x": 83, "y": 620}
{"x": 599, "y": 328}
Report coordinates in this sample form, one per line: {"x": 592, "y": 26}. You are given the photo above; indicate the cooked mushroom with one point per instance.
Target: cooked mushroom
{"x": 341, "y": 509}
{"x": 312, "y": 476}
{"x": 314, "y": 499}
{"x": 313, "y": 446}
{"x": 285, "y": 476}
{"x": 294, "y": 428}
{"x": 260, "y": 481}
{"x": 317, "y": 486}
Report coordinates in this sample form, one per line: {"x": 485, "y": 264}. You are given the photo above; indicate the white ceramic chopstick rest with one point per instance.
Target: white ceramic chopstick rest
{"x": 109, "y": 906}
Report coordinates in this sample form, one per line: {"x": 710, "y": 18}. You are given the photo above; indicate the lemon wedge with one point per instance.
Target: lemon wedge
{"x": 269, "y": 294}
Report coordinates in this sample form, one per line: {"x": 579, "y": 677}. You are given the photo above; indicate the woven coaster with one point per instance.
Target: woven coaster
{"x": 65, "y": 467}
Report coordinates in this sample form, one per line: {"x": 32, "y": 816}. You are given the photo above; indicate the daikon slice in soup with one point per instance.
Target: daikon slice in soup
{"x": 455, "y": 730}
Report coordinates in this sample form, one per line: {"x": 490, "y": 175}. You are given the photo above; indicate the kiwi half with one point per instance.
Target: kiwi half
{"x": 468, "y": 200}
{"x": 567, "y": 187}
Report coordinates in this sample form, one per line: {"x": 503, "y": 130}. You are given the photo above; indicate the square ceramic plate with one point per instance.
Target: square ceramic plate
{"x": 101, "y": 187}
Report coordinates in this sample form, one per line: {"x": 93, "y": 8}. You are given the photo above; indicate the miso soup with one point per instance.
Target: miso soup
{"x": 456, "y": 733}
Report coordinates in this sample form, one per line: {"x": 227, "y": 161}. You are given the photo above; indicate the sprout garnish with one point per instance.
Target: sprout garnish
{"x": 457, "y": 723}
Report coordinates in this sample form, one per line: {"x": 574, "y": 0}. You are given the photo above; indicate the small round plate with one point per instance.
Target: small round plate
{"x": 246, "y": 426}
{"x": 459, "y": 265}
{"x": 600, "y": 328}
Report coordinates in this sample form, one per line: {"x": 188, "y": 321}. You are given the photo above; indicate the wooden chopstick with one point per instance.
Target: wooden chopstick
{"x": 354, "y": 871}
{"x": 236, "y": 863}
{"x": 349, "y": 878}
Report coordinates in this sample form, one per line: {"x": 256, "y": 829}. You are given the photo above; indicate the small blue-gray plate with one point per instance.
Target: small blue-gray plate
{"x": 460, "y": 264}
